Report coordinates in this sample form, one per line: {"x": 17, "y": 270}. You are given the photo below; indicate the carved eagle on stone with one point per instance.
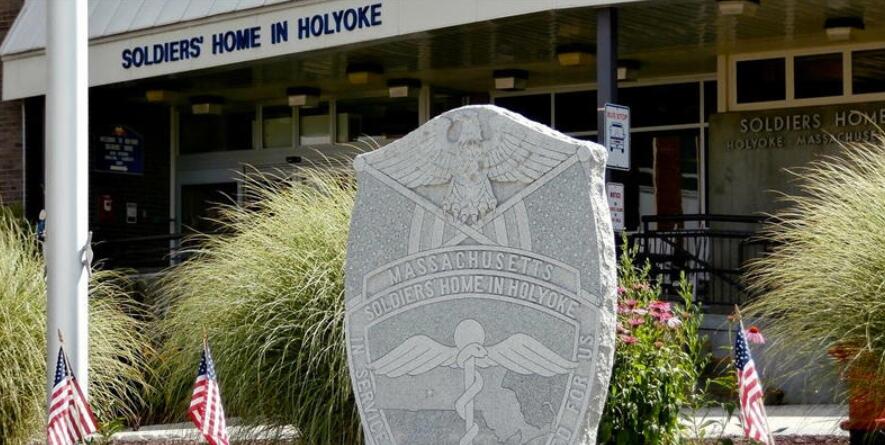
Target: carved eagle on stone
{"x": 468, "y": 149}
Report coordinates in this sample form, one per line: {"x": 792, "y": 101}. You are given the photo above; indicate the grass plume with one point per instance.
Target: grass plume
{"x": 117, "y": 349}
{"x": 268, "y": 292}
{"x": 823, "y": 286}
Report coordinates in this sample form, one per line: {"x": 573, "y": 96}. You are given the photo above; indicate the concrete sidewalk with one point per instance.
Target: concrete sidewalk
{"x": 784, "y": 420}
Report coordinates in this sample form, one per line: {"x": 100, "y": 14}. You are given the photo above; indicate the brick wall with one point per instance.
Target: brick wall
{"x": 11, "y": 168}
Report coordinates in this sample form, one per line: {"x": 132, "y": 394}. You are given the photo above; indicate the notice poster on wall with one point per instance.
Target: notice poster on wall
{"x": 121, "y": 151}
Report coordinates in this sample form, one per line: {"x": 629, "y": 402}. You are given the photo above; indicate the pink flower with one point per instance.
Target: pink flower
{"x": 622, "y": 330}
{"x": 674, "y": 323}
{"x": 631, "y": 303}
{"x": 662, "y": 317}
{"x": 639, "y": 311}
{"x": 660, "y": 305}
{"x": 636, "y": 321}
{"x": 621, "y": 290}
{"x": 628, "y": 339}
{"x": 754, "y": 335}
{"x": 624, "y": 309}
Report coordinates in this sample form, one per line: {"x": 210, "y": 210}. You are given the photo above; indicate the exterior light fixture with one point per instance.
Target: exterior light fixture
{"x": 510, "y": 80}
{"x": 159, "y": 96}
{"x": 737, "y": 7}
{"x": 574, "y": 55}
{"x": 363, "y": 73}
{"x": 627, "y": 69}
{"x": 841, "y": 28}
{"x": 206, "y": 104}
{"x": 303, "y": 96}
{"x": 403, "y": 87}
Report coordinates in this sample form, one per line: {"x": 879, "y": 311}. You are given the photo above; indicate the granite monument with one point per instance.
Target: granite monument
{"x": 480, "y": 285}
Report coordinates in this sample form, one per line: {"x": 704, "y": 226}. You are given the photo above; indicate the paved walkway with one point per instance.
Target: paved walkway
{"x": 787, "y": 420}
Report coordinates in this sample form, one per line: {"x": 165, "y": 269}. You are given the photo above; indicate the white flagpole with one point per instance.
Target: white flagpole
{"x": 66, "y": 166}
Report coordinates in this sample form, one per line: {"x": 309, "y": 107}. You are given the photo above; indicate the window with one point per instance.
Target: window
{"x": 276, "y": 126}
{"x": 535, "y": 107}
{"x": 818, "y": 75}
{"x": 378, "y": 118}
{"x": 233, "y": 129}
{"x": 711, "y": 99}
{"x": 314, "y": 124}
{"x": 576, "y": 112}
{"x": 868, "y": 71}
{"x": 200, "y": 205}
{"x": 662, "y": 104}
{"x": 761, "y": 80}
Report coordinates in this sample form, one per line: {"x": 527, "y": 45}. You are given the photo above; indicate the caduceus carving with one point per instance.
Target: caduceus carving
{"x": 518, "y": 353}
{"x": 458, "y": 151}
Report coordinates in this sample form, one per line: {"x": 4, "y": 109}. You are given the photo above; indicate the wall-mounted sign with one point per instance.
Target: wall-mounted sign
{"x": 615, "y": 192}
{"x": 750, "y": 152}
{"x": 121, "y": 151}
{"x": 617, "y": 136}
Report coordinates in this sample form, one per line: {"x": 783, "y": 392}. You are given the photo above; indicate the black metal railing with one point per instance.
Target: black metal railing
{"x": 145, "y": 254}
{"x": 712, "y": 251}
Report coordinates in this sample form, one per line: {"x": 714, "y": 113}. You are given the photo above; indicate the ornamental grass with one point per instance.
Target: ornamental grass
{"x": 822, "y": 288}
{"x": 268, "y": 293}
{"x": 117, "y": 348}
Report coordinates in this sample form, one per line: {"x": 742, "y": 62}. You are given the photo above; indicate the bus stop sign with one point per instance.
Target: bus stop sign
{"x": 617, "y": 136}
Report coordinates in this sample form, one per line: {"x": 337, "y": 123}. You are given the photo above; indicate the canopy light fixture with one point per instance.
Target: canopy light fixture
{"x": 403, "y": 87}
{"x": 574, "y": 54}
{"x": 303, "y": 96}
{"x": 737, "y": 7}
{"x": 159, "y": 96}
{"x": 841, "y": 28}
{"x": 628, "y": 69}
{"x": 510, "y": 80}
{"x": 363, "y": 73}
{"x": 206, "y": 104}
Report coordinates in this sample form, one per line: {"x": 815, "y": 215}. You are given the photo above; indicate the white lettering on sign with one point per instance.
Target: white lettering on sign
{"x": 250, "y": 38}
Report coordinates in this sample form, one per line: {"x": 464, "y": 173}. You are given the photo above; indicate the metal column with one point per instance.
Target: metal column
{"x": 606, "y": 63}
{"x": 67, "y": 161}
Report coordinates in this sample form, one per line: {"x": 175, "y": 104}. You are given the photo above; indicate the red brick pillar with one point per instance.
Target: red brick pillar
{"x": 11, "y": 159}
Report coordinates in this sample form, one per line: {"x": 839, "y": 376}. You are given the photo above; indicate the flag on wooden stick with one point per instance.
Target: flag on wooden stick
{"x": 206, "y": 410}
{"x": 750, "y": 392}
{"x": 70, "y": 417}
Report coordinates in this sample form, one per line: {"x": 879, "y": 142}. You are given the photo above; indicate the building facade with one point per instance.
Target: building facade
{"x": 189, "y": 96}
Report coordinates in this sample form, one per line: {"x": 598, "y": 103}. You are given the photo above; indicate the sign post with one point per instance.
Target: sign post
{"x": 67, "y": 162}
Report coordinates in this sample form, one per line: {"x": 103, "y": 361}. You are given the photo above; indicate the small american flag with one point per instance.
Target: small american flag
{"x": 206, "y": 411}
{"x": 753, "y": 417}
{"x": 70, "y": 418}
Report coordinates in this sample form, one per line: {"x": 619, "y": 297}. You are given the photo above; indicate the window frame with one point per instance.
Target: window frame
{"x": 846, "y": 50}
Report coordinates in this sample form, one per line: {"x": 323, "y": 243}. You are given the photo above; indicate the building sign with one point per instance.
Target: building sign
{"x": 253, "y": 37}
{"x": 615, "y": 192}
{"x": 750, "y": 151}
{"x": 121, "y": 151}
{"x": 617, "y": 136}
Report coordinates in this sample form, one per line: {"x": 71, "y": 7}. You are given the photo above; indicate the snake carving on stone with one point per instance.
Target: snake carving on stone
{"x": 518, "y": 353}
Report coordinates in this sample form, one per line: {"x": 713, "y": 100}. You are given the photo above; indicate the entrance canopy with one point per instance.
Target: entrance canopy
{"x": 138, "y": 39}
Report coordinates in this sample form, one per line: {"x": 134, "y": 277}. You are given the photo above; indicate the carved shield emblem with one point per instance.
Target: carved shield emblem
{"x": 481, "y": 285}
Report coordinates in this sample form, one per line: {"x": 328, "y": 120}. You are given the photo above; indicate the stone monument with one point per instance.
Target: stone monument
{"x": 481, "y": 285}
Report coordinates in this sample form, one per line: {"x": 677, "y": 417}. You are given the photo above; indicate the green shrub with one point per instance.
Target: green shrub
{"x": 823, "y": 285}
{"x": 269, "y": 294}
{"x": 117, "y": 345}
{"x": 658, "y": 360}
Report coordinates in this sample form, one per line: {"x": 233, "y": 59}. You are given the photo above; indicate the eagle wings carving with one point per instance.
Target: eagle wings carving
{"x": 468, "y": 152}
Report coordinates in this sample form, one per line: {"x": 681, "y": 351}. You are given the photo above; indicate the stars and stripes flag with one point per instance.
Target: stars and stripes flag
{"x": 70, "y": 418}
{"x": 206, "y": 410}
{"x": 750, "y": 392}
